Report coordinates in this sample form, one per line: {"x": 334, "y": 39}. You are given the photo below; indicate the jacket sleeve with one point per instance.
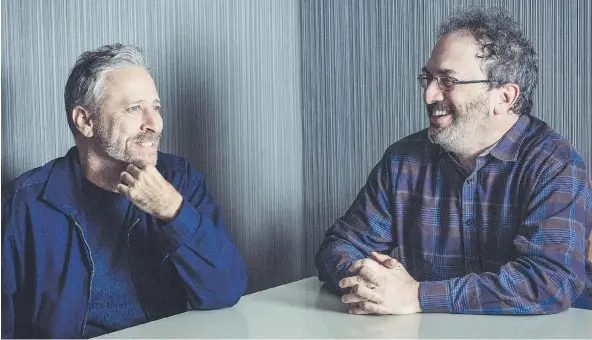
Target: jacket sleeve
{"x": 200, "y": 249}
{"x": 8, "y": 286}
{"x": 10, "y": 272}
{"x": 549, "y": 270}
{"x": 365, "y": 227}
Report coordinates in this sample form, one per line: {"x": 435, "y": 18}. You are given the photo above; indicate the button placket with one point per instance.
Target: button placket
{"x": 469, "y": 229}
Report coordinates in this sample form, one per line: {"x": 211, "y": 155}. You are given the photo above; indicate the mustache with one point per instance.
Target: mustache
{"x": 439, "y": 106}
{"x": 147, "y": 137}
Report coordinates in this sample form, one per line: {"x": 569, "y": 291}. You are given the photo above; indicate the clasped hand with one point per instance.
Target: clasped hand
{"x": 148, "y": 190}
{"x": 381, "y": 286}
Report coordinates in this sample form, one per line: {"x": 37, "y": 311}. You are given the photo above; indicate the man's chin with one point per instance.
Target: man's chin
{"x": 146, "y": 159}
{"x": 433, "y": 133}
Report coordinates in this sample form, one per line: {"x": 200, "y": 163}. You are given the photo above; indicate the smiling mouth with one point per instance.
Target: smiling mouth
{"x": 440, "y": 118}
{"x": 147, "y": 144}
{"x": 440, "y": 113}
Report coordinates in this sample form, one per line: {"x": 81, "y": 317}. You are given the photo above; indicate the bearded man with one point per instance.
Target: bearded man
{"x": 488, "y": 210}
{"x": 115, "y": 233}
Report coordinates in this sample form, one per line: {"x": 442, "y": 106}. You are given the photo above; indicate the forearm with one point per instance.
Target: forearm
{"x": 333, "y": 261}
{"x": 366, "y": 226}
{"x": 206, "y": 260}
{"x": 522, "y": 287}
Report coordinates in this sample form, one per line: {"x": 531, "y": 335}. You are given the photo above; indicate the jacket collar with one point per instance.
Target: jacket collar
{"x": 63, "y": 188}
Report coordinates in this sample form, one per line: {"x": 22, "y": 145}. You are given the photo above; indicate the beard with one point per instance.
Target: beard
{"x": 468, "y": 126}
{"x": 119, "y": 149}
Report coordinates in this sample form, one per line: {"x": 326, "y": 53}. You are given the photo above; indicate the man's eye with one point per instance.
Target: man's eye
{"x": 134, "y": 108}
{"x": 446, "y": 81}
{"x": 158, "y": 109}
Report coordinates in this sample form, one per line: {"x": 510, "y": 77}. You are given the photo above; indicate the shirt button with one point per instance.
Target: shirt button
{"x": 470, "y": 181}
{"x": 469, "y": 221}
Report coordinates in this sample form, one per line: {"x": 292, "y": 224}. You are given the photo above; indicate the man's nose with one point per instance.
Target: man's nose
{"x": 433, "y": 92}
{"x": 152, "y": 121}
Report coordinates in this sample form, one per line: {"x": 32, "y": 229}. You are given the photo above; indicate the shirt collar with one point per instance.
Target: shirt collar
{"x": 508, "y": 146}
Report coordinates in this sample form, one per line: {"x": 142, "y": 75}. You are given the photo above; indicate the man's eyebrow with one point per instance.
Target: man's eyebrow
{"x": 445, "y": 71}
{"x": 128, "y": 102}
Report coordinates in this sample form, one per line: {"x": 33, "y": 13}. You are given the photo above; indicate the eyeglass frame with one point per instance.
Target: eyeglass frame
{"x": 423, "y": 76}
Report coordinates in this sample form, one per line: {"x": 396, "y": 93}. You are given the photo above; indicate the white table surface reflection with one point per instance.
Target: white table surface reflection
{"x": 305, "y": 309}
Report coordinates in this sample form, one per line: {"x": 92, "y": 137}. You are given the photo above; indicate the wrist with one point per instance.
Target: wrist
{"x": 174, "y": 208}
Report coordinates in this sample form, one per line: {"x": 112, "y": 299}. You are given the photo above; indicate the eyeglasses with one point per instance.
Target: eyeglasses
{"x": 445, "y": 83}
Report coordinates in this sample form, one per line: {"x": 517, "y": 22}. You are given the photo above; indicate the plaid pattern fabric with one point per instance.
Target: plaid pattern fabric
{"x": 508, "y": 238}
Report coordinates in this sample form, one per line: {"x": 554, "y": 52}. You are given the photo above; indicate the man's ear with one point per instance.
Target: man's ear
{"x": 507, "y": 95}
{"x": 82, "y": 121}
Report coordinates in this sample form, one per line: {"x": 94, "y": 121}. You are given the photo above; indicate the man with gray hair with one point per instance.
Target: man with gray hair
{"x": 114, "y": 233}
{"x": 489, "y": 209}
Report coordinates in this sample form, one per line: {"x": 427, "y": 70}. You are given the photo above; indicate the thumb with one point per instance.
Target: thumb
{"x": 391, "y": 263}
{"x": 385, "y": 260}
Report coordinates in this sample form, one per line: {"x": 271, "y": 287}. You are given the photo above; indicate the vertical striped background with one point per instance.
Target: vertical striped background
{"x": 284, "y": 105}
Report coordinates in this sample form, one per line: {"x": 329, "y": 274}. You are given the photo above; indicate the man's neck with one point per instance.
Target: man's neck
{"x": 102, "y": 171}
{"x": 469, "y": 161}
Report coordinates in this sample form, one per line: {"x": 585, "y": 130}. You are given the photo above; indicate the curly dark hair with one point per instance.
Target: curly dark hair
{"x": 507, "y": 56}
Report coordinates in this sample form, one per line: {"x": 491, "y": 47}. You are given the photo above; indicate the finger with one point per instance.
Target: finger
{"x": 133, "y": 170}
{"x": 370, "y": 275}
{"x": 373, "y": 308}
{"x": 356, "y": 309}
{"x": 356, "y": 266}
{"x": 357, "y": 280}
{"x": 351, "y": 298}
{"x": 367, "y": 294}
{"x": 385, "y": 260}
{"x": 379, "y": 257}
{"x": 367, "y": 307}
{"x": 123, "y": 189}
{"x": 392, "y": 263}
{"x": 370, "y": 307}
{"x": 127, "y": 178}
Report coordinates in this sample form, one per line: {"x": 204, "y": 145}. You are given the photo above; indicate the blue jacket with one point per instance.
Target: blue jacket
{"x": 47, "y": 266}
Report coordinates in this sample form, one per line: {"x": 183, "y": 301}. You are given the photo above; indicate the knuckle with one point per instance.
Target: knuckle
{"x": 360, "y": 279}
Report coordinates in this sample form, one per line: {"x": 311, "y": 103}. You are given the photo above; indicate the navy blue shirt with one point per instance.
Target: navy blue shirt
{"x": 114, "y": 302}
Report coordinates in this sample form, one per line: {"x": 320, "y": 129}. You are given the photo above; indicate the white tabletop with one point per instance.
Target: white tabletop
{"x": 304, "y": 309}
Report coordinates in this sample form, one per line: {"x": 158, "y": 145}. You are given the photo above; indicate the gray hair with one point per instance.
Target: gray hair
{"x": 507, "y": 56}
{"x": 85, "y": 88}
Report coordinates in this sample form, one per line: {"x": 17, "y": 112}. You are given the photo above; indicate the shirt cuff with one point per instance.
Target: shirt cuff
{"x": 181, "y": 227}
{"x": 435, "y": 297}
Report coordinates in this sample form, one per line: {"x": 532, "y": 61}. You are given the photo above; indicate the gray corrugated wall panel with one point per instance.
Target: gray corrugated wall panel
{"x": 360, "y": 59}
{"x": 228, "y": 73}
